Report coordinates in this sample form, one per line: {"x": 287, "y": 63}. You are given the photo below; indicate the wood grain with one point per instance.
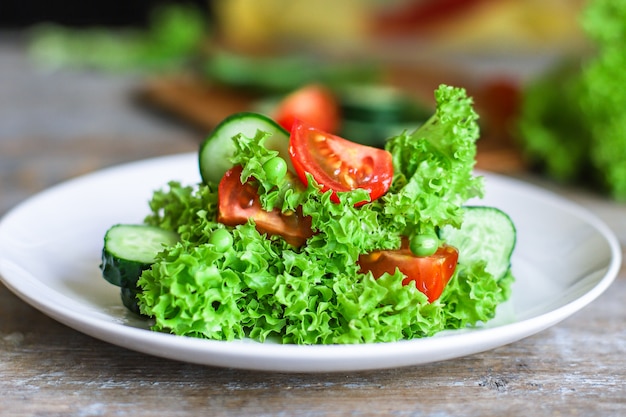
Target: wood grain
{"x": 576, "y": 368}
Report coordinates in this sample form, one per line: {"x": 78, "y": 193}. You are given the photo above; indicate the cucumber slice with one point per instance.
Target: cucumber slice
{"x": 129, "y": 299}
{"x": 487, "y": 234}
{"x": 130, "y": 249}
{"x": 382, "y": 103}
{"x": 217, "y": 149}
{"x": 371, "y": 114}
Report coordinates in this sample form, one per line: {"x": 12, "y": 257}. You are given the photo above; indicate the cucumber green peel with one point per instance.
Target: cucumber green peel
{"x": 218, "y": 148}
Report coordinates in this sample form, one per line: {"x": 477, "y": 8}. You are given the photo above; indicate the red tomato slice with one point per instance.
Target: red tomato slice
{"x": 237, "y": 202}
{"x": 430, "y": 274}
{"x": 314, "y": 104}
{"x": 338, "y": 164}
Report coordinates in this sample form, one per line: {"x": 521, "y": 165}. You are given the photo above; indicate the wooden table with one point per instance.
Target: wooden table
{"x": 57, "y": 125}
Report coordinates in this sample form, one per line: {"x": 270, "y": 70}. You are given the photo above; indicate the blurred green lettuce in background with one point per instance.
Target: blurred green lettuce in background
{"x": 572, "y": 124}
{"x": 173, "y": 36}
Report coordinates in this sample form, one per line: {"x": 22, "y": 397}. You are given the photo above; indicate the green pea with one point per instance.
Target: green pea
{"x": 221, "y": 239}
{"x": 275, "y": 169}
{"x": 424, "y": 244}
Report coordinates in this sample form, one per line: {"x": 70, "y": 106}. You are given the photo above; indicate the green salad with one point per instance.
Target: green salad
{"x": 304, "y": 237}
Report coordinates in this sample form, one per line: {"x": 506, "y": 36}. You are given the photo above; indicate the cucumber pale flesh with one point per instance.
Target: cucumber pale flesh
{"x": 486, "y": 234}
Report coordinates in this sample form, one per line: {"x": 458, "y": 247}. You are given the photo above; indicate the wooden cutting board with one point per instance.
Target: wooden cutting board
{"x": 203, "y": 105}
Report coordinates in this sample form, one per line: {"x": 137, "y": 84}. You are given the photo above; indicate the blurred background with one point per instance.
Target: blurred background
{"x": 89, "y": 84}
{"x": 21, "y": 14}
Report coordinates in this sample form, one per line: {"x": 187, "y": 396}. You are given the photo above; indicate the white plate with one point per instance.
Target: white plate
{"x": 50, "y": 251}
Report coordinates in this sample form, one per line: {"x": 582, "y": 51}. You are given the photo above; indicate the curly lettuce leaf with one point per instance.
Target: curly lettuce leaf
{"x": 263, "y": 288}
{"x": 189, "y": 211}
{"x": 434, "y": 165}
{"x": 473, "y": 294}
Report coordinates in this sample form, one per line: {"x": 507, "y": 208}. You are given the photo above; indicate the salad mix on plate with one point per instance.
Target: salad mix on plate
{"x": 305, "y": 237}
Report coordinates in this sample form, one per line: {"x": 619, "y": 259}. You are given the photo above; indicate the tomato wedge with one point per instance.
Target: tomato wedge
{"x": 430, "y": 274}
{"x": 338, "y": 164}
{"x": 314, "y": 103}
{"x": 238, "y": 202}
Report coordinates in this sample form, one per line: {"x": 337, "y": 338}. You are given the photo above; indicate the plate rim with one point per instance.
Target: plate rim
{"x": 346, "y": 357}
